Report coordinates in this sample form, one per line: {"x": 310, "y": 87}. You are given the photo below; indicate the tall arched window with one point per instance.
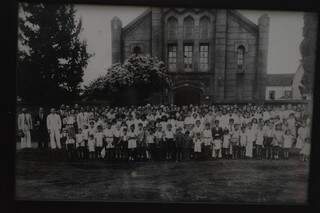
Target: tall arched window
{"x": 240, "y": 57}
{"x": 172, "y": 27}
{"x": 204, "y": 27}
{"x": 188, "y": 25}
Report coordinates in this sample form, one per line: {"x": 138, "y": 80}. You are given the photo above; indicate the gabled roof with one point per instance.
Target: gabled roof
{"x": 279, "y": 79}
{"x": 244, "y": 20}
{"x": 137, "y": 20}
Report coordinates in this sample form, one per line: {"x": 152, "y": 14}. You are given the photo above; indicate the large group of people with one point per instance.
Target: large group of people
{"x": 170, "y": 132}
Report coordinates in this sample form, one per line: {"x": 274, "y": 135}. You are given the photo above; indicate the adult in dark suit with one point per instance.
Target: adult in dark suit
{"x": 217, "y": 135}
{"x": 41, "y": 129}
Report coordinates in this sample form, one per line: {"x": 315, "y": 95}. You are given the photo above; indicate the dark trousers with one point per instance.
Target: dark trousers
{"x": 207, "y": 152}
{"x": 179, "y": 154}
{"x": 43, "y": 139}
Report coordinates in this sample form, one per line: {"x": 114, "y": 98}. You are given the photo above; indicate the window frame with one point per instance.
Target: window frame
{"x": 188, "y": 29}
{"x": 186, "y": 60}
{"x": 204, "y": 58}
{"x": 169, "y": 57}
{"x": 270, "y": 96}
{"x": 241, "y": 51}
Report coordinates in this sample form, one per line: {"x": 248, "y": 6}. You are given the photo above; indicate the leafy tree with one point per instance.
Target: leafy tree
{"x": 308, "y": 51}
{"x": 143, "y": 74}
{"x": 51, "y": 57}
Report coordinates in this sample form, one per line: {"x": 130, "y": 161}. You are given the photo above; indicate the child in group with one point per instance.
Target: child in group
{"x": 91, "y": 146}
{"x": 70, "y": 142}
{"x": 287, "y": 143}
{"x": 217, "y": 135}
{"x": 188, "y": 146}
{"x": 99, "y": 137}
{"x": 226, "y": 144}
{"x": 80, "y": 144}
{"x": 251, "y": 138}
{"x": 197, "y": 146}
{"x": 207, "y": 141}
{"x": 117, "y": 134}
{"x": 243, "y": 142}
{"x": 159, "y": 143}
{"x": 259, "y": 141}
{"x": 141, "y": 145}
{"x": 235, "y": 141}
{"x": 302, "y": 134}
{"x": 64, "y": 136}
{"x": 277, "y": 141}
{"x": 85, "y": 134}
{"x": 109, "y": 139}
{"x": 132, "y": 143}
{"x": 170, "y": 144}
{"x": 123, "y": 143}
{"x": 268, "y": 138}
{"x": 305, "y": 151}
{"x": 151, "y": 146}
{"x": 179, "y": 143}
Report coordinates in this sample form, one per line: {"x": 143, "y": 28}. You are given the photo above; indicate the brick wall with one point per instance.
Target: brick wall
{"x": 140, "y": 36}
{"x": 240, "y": 86}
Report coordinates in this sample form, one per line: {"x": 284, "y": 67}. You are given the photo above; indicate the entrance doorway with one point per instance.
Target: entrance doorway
{"x": 187, "y": 96}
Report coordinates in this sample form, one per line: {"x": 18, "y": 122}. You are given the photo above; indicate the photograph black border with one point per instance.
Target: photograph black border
{"x": 9, "y": 108}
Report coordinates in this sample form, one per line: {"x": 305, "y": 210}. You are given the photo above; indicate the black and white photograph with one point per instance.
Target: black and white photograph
{"x": 163, "y": 104}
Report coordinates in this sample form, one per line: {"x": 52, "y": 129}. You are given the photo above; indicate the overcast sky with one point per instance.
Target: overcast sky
{"x": 284, "y": 37}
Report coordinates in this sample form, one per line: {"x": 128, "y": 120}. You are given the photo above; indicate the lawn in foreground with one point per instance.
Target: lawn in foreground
{"x": 227, "y": 181}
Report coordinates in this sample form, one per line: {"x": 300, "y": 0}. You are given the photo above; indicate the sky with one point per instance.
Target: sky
{"x": 285, "y": 35}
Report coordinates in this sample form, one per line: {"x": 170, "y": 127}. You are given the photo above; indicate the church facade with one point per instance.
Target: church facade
{"x": 213, "y": 55}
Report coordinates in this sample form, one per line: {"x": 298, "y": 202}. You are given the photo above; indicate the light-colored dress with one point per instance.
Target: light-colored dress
{"x": 197, "y": 145}
{"x": 207, "y": 137}
{"x": 226, "y": 141}
{"x": 287, "y": 141}
{"x": 132, "y": 142}
{"x": 91, "y": 144}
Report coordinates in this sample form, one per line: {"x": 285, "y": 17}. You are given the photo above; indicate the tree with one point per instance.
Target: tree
{"x": 143, "y": 74}
{"x": 308, "y": 51}
{"x": 51, "y": 57}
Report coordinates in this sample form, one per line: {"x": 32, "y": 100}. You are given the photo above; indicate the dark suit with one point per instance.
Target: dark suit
{"x": 41, "y": 130}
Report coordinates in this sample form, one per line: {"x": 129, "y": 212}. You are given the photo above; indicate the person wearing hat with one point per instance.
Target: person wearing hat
{"x": 54, "y": 126}
{"x": 25, "y": 126}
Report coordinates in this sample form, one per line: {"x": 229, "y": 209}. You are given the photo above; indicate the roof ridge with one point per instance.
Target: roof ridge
{"x": 244, "y": 19}
{"x": 136, "y": 20}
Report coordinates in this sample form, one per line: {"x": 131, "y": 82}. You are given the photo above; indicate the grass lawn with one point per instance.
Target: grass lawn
{"x": 223, "y": 181}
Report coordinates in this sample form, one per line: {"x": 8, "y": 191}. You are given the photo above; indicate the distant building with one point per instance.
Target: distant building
{"x": 213, "y": 55}
{"x": 279, "y": 87}
{"x": 285, "y": 86}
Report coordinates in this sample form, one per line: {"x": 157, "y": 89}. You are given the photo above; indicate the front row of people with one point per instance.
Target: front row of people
{"x": 183, "y": 143}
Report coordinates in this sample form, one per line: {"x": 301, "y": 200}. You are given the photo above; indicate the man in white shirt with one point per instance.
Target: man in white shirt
{"x": 82, "y": 118}
{"x": 24, "y": 126}
{"x": 54, "y": 129}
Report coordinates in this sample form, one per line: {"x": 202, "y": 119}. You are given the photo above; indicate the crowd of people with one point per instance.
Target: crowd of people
{"x": 170, "y": 132}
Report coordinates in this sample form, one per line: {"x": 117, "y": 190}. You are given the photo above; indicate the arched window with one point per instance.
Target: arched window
{"x": 204, "y": 27}
{"x": 172, "y": 27}
{"x": 240, "y": 57}
{"x": 188, "y": 25}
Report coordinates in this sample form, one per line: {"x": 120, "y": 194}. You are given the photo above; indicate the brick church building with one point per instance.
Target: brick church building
{"x": 213, "y": 55}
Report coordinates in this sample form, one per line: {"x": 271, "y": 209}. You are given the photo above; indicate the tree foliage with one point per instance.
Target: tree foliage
{"x": 308, "y": 51}
{"x": 141, "y": 73}
{"x": 51, "y": 57}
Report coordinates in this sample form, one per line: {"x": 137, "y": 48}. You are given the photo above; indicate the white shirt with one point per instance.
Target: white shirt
{"x": 53, "y": 122}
